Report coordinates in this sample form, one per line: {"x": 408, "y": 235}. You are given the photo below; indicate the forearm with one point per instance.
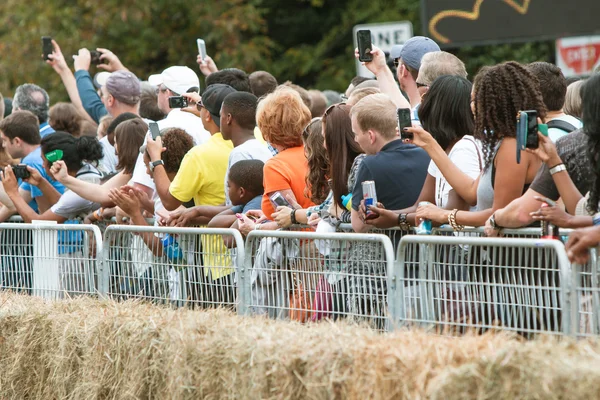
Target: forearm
{"x": 461, "y": 183}
{"x": 513, "y": 216}
{"x": 569, "y": 193}
{"x": 90, "y": 100}
{"x": 93, "y": 192}
{"x": 222, "y": 221}
{"x": 162, "y": 184}
{"x": 388, "y": 86}
{"x": 6, "y": 212}
{"x": 204, "y": 214}
{"x": 50, "y": 193}
{"x": 149, "y": 238}
{"x": 579, "y": 221}
{"x": 23, "y": 208}
{"x": 475, "y": 218}
{"x": 358, "y": 225}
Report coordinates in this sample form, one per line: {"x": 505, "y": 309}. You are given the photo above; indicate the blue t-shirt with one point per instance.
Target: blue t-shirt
{"x": 254, "y": 204}
{"x": 34, "y": 160}
{"x": 399, "y": 172}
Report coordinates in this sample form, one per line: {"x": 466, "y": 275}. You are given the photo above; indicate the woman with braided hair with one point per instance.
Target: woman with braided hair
{"x": 499, "y": 93}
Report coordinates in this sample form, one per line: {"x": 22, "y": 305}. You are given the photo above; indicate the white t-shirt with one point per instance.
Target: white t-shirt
{"x": 71, "y": 205}
{"x": 554, "y": 133}
{"x": 109, "y": 162}
{"x": 175, "y": 119}
{"x": 249, "y": 150}
{"x": 467, "y": 156}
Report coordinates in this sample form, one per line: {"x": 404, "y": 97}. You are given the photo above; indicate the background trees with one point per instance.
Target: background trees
{"x": 305, "y": 41}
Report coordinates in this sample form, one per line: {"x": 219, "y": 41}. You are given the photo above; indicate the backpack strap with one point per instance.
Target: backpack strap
{"x": 562, "y": 125}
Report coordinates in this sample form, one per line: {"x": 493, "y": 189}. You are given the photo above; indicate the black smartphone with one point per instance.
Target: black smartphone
{"x": 363, "y": 39}
{"x": 21, "y": 171}
{"x": 178, "y": 102}
{"x": 47, "y": 47}
{"x": 95, "y": 57}
{"x": 404, "y": 121}
{"x": 154, "y": 131}
{"x": 532, "y": 141}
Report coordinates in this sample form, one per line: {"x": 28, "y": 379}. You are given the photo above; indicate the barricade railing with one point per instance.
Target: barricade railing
{"x": 52, "y": 261}
{"x": 176, "y": 266}
{"x": 585, "y": 301}
{"x": 456, "y": 284}
{"x": 307, "y": 276}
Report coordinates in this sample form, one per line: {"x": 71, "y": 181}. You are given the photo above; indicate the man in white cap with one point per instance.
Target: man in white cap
{"x": 175, "y": 81}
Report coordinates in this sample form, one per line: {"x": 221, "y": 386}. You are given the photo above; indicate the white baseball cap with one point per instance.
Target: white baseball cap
{"x": 178, "y": 79}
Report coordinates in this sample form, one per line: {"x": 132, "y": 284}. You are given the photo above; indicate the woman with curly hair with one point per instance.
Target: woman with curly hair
{"x": 499, "y": 93}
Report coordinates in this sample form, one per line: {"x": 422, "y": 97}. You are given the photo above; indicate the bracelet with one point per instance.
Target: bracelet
{"x": 256, "y": 227}
{"x": 402, "y": 222}
{"x": 558, "y": 168}
{"x": 293, "y": 217}
{"x": 452, "y": 221}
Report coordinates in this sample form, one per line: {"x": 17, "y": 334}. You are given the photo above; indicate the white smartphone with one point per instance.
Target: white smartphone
{"x": 201, "y": 48}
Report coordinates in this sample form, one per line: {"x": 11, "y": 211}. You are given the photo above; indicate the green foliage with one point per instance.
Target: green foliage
{"x": 306, "y": 41}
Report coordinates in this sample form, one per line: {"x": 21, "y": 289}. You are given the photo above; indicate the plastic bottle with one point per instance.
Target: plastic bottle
{"x": 171, "y": 248}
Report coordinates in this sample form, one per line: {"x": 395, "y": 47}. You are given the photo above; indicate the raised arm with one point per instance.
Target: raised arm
{"x": 385, "y": 77}
{"x": 569, "y": 193}
{"x": 85, "y": 87}
{"x": 463, "y": 184}
{"x": 96, "y": 193}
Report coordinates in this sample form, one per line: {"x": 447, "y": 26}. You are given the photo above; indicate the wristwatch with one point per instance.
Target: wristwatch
{"x": 493, "y": 223}
{"x": 155, "y": 164}
{"x": 402, "y": 222}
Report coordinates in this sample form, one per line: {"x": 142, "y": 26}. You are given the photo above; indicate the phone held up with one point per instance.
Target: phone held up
{"x": 527, "y": 131}
{"x": 404, "y": 121}
{"x": 47, "y": 47}
{"x": 201, "y": 48}
{"x": 178, "y": 102}
{"x": 154, "y": 131}
{"x": 277, "y": 200}
{"x": 363, "y": 39}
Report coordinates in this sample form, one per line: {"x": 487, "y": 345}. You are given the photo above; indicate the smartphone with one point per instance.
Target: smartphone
{"x": 95, "y": 57}
{"x": 363, "y": 38}
{"x": 404, "y": 121}
{"x": 532, "y": 139}
{"x": 278, "y": 200}
{"x": 47, "y": 47}
{"x": 178, "y": 102}
{"x": 201, "y": 48}
{"x": 21, "y": 171}
{"x": 154, "y": 130}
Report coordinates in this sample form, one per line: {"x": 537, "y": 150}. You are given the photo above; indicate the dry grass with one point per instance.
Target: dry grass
{"x": 85, "y": 349}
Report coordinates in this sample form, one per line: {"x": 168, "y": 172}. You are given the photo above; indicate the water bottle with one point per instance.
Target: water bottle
{"x": 171, "y": 248}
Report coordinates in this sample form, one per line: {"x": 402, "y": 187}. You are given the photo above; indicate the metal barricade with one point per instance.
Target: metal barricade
{"x": 50, "y": 260}
{"x": 307, "y": 276}
{"x": 457, "y": 284}
{"x": 585, "y": 301}
{"x": 177, "y": 266}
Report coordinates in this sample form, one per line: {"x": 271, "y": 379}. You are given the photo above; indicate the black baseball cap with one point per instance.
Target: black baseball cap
{"x": 213, "y": 97}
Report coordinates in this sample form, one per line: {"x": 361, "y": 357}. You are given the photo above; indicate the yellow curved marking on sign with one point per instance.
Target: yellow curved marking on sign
{"x": 472, "y": 15}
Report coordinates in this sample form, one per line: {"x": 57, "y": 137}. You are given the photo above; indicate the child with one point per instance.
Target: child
{"x": 245, "y": 192}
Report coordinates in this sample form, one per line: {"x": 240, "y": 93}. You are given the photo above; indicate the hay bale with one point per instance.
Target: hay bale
{"x": 88, "y": 349}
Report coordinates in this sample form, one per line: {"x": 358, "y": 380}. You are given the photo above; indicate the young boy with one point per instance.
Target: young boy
{"x": 245, "y": 192}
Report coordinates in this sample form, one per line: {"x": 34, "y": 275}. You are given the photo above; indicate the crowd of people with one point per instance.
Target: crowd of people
{"x": 244, "y": 146}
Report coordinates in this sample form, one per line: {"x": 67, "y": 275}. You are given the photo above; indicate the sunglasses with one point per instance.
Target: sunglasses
{"x": 306, "y": 131}
{"x": 396, "y": 62}
{"x": 420, "y": 85}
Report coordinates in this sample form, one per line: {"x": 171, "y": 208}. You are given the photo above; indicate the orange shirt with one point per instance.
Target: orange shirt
{"x": 287, "y": 170}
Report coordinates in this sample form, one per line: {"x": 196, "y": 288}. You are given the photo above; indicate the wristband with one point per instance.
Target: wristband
{"x": 293, "y": 217}
{"x": 596, "y": 219}
{"x": 558, "y": 168}
{"x": 402, "y": 222}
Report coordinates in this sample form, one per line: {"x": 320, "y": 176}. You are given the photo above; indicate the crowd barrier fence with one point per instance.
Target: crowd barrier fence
{"x": 389, "y": 279}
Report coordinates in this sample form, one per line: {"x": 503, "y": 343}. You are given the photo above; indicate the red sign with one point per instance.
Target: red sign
{"x": 577, "y": 56}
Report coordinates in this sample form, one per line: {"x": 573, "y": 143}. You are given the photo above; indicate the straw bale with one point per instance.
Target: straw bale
{"x": 90, "y": 349}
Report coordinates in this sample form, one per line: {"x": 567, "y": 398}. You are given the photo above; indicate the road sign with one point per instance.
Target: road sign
{"x": 578, "y": 55}
{"x": 383, "y": 35}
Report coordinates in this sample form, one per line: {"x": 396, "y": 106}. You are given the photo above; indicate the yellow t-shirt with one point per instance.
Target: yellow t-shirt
{"x": 201, "y": 177}
{"x": 258, "y": 136}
